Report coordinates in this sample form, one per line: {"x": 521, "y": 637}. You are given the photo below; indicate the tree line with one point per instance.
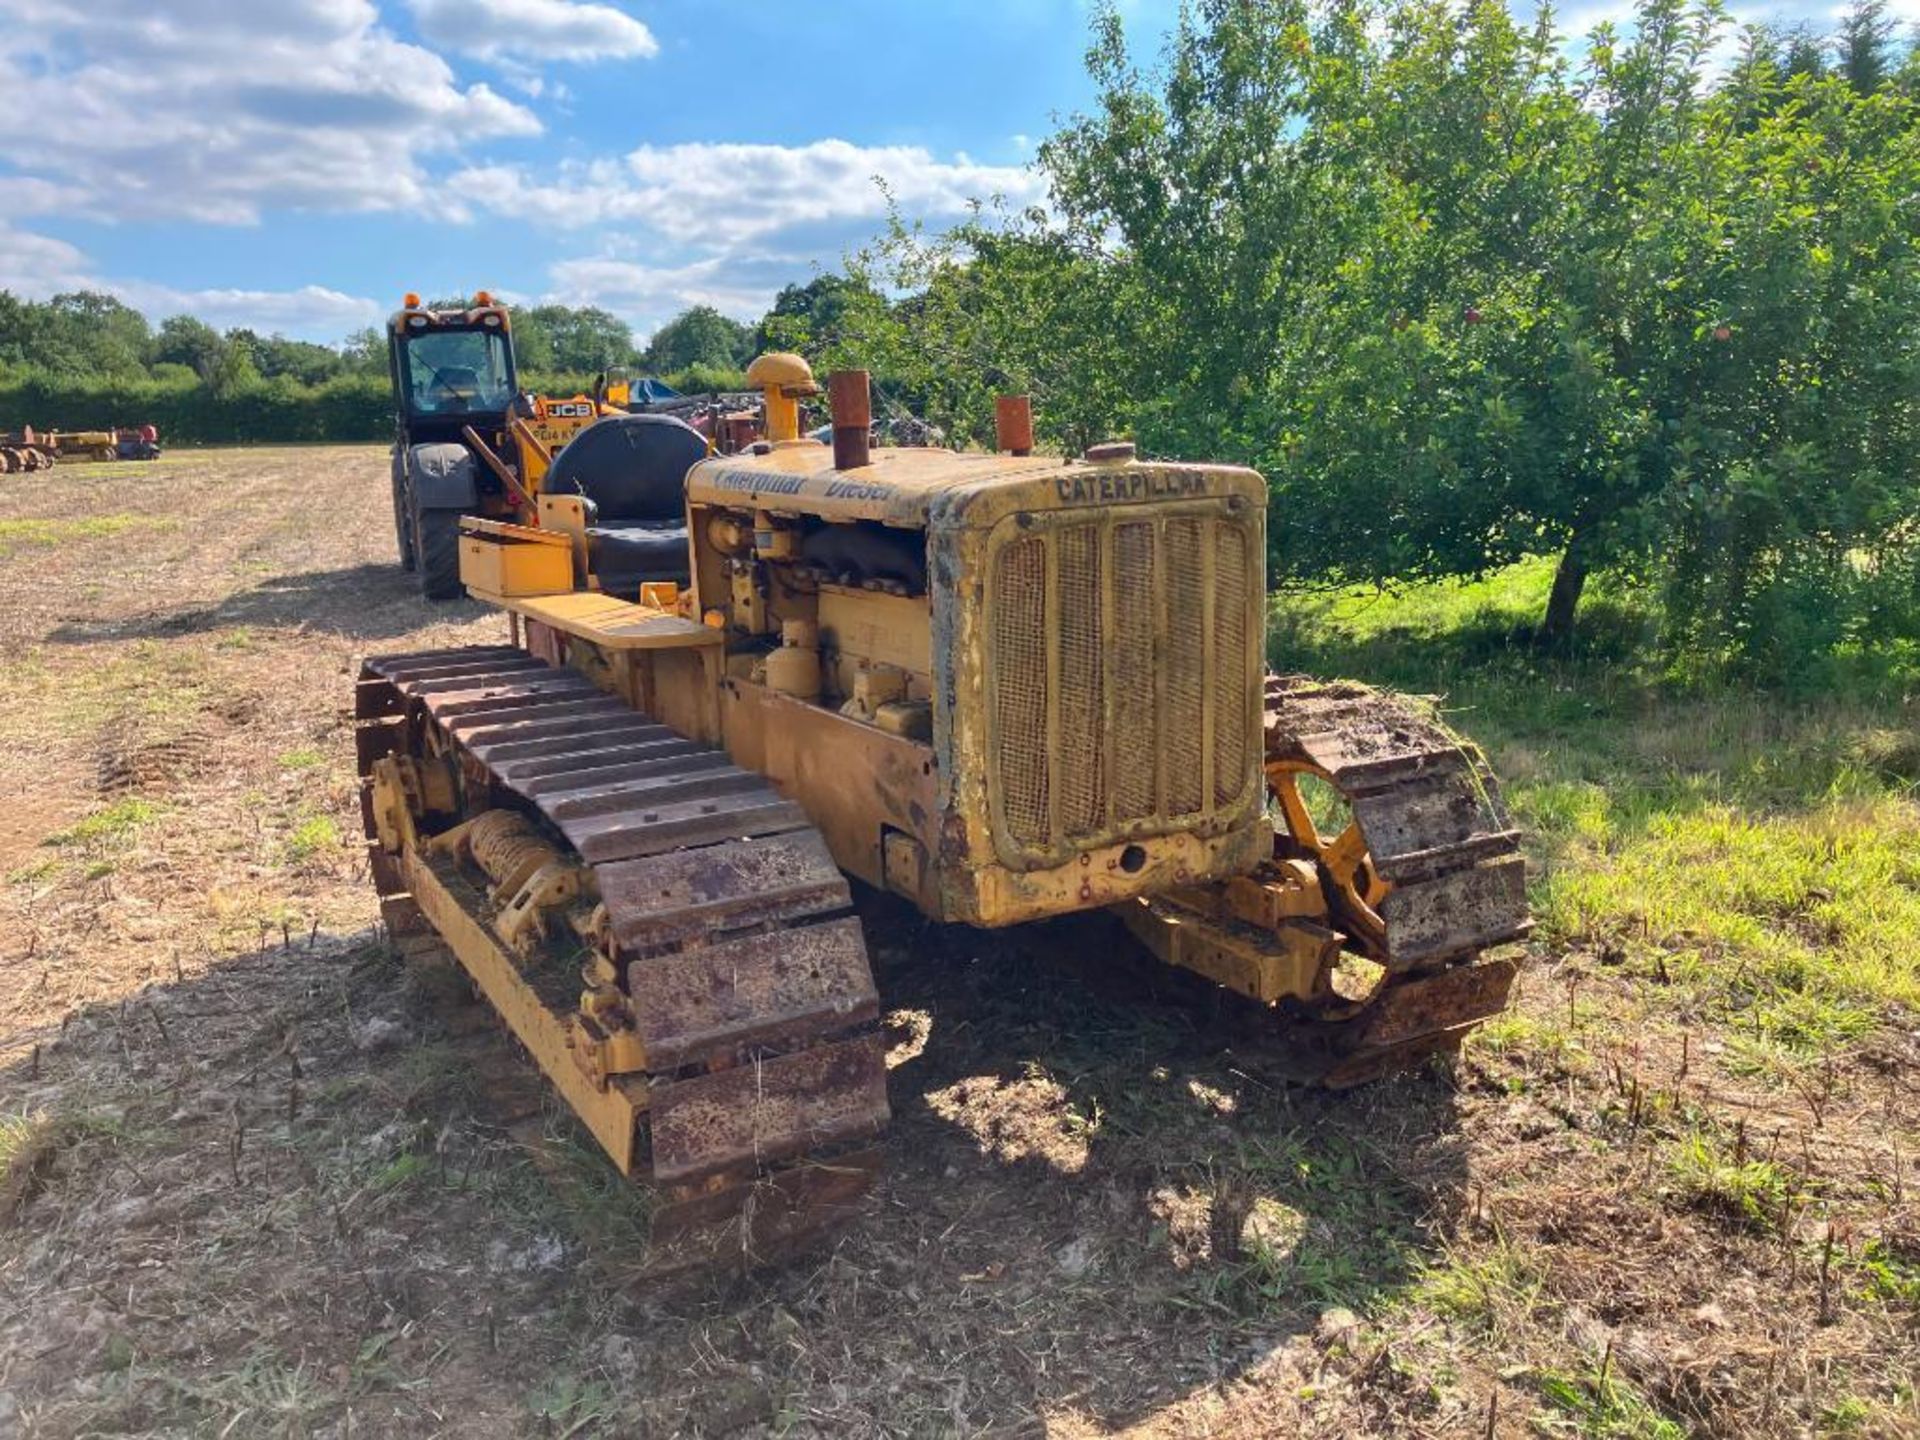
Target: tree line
{"x": 1468, "y": 289}
{"x": 86, "y": 360}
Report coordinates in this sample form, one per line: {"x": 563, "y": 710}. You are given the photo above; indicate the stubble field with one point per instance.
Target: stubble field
{"x": 260, "y": 1177}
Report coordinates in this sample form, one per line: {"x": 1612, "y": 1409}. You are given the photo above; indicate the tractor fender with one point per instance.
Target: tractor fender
{"x": 443, "y": 477}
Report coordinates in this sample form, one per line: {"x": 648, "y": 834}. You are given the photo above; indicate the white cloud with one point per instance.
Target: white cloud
{"x": 215, "y": 111}
{"x": 219, "y": 112}
{"x": 649, "y": 295}
{"x": 495, "y": 30}
{"x": 37, "y": 266}
{"x": 727, "y": 225}
{"x": 728, "y": 194}
{"x": 313, "y": 312}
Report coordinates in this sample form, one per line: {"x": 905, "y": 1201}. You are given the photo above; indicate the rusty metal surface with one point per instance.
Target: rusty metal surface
{"x": 1455, "y": 913}
{"x": 762, "y": 990}
{"x": 689, "y": 895}
{"x": 1446, "y": 1001}
{"x": 531, "y": 773}
{"x": 684, "y": 825}
{"x": 503, "y": 745}
{"x": 767, "y": 1220}
{"x": 702, "y": 775}
{"x": 1427, "y": 808}
{"x": 1421, "y": 878}
{"x": 768, "y": 1110}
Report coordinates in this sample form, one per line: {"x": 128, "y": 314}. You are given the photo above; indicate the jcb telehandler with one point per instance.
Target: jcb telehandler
{"x": 1004, "y": 686}
{"x": 467, "y": 441}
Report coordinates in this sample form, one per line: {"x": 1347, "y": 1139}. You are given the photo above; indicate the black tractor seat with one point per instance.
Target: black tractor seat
{"x": 632, "y": 469}
{"x": 625, "y": 555}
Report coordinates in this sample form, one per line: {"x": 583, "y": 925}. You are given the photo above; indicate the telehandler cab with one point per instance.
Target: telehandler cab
{"x": 469, "y": 442}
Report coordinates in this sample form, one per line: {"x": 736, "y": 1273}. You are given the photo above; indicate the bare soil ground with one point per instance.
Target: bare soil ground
{"x": 259, "y": 1177}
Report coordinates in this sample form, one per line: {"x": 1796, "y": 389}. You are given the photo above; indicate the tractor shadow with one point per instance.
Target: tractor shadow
{"x": 1095, "y": 1162}
{"x": 356, "y": 603}
{"x": 1091, "y": 1208}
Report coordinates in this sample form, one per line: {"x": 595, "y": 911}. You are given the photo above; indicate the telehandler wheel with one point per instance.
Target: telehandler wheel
{"x": 402, "y": 530}
{"x": 436, "y": 541}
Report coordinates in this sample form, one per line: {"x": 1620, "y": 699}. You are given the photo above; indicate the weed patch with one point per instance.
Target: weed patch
{"x": 1492, "y": 1292}
{"x": 314, "y": 836}
{"x": 110, "y": 825}
{"x": 17, "y": 533}
{"x": 1755, "y": 1192}
{"x": 1601, "y": 1406}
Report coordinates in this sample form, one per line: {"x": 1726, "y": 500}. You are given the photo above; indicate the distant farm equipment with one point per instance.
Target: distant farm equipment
{"x": 126, "y": 442}
{"x": 25, "y": 449}
{"x": 30, "y": 449}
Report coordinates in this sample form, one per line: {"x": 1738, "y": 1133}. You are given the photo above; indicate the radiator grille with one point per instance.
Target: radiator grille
{"x": 1083, "y": 704}
{"x": 1229, "y": 638}
{"x": 1186, "y": 663}
{"x": 1123, "y": 677}
{"x": 1136, "y": 733}
{"x": 1020, "y": 690}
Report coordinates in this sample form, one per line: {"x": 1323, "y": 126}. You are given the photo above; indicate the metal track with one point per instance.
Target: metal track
{"x": 1439, "y": 882}
{"x": 708, "y": 899}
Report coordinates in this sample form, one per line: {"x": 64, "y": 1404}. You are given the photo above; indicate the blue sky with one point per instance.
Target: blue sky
{"x": 295, "y": 165}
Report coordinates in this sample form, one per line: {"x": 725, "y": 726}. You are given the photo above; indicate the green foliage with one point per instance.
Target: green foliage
{"x": 583, "y": 339}
{"x": 314, "y": 836}
{"x": 80, "y": 332}
{"x": 1745, "y": 1188}
{"x": 806, "y": 317}
{"x": 111, "y": 824}
{"x": 699, "y": 336}
{"x": 84, "y": 362}
{"x": 1600, "y": 1405}
{"x": 1000, "y": 305}
{"x": 1464, "y": 300}
{"x": 183, "y": 340}
{"x": 707, "y": 379}
{"x": 234, "y": 408}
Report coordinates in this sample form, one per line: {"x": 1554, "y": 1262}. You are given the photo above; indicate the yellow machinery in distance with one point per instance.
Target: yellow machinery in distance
{"x": 1003, "y": 686}
{"x": 469, "y": 442}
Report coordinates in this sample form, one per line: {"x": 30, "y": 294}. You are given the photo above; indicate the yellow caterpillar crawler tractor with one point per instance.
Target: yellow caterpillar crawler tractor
{"x": 1004, "y": 686}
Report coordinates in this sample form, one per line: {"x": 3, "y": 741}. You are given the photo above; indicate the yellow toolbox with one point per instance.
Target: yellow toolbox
{"x": 510, "y": 560}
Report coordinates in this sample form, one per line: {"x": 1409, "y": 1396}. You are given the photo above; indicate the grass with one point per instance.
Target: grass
{"x": 314, "y": 836}
{"x": 1492, "y": 1291}
{"x": 1754, "y": 1191}
{"x": 17, "y": 533}
{"x": 1755, "y": 854}
{"x": 1599, "y": 1405}
{"x": 17, "y": 1137}
{"x": 31, "y": 1146}
{"x": 109, "y": 825}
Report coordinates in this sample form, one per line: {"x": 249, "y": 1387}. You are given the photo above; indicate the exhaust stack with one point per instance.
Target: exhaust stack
{"x": 850, "y": 397}
{"x": 1013, "y": 424}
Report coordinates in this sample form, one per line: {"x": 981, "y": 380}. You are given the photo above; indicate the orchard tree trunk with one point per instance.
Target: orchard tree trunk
{"x": 1569, "y": 580}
